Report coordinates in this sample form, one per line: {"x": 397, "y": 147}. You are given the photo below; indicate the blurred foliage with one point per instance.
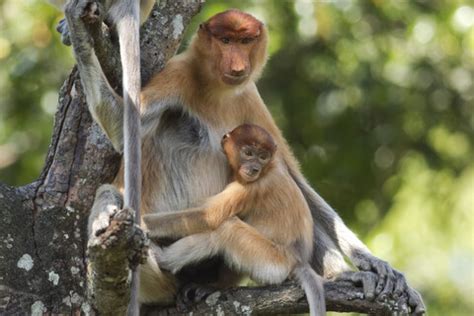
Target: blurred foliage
{"x": 376, "y": 98}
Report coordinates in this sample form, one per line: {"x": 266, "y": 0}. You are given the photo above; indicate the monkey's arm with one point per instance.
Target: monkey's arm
{"x": 176, "y": 224}
{"x": 216, "y": 210}
{"x": 104, "y": 104}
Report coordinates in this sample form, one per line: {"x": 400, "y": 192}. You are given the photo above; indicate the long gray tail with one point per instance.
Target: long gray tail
{"x": 128, "y": 31}
{"x": 312, "y": 285}
{"x": 128, "y": 27}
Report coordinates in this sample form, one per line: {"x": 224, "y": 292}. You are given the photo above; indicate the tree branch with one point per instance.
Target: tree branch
{"x": 288, "y": 298}
{"x": 43, "y": 224}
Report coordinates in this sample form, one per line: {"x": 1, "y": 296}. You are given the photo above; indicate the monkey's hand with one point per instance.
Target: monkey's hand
{"x": 80, "y": 14}
{"x": 87, "y": 10}
{"x": 390, "y": 284}
{"x": 63, "y": 29}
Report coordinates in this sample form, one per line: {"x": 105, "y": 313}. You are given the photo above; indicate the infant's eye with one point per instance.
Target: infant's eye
{"x": 246, "y": 40}
{"x": 225, "y": 40}
{"x": 248, "y": 153}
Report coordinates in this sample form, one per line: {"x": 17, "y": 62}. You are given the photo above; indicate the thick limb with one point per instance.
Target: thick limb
{"x": 114, "y": 245}
{"x": 177, "y": 224}
{"x": 107, "y": 202}
{"x": 104, "y": 104}
{"x": 240, "y": 244}
{"x": 199, "y": 219}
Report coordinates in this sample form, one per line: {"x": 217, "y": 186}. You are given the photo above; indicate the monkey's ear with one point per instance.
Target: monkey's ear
{"x": 224, "y": 139}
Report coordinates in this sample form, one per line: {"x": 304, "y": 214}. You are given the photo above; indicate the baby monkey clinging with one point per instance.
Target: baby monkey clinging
{"x": 261, "y": 223}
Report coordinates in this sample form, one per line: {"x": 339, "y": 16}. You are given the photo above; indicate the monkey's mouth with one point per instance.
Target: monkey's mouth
{"x": 234, "y": 80}
{"x": 249, "y": 175}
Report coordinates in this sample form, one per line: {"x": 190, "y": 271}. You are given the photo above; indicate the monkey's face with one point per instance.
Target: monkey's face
{"x": 248, "y": 161}
{"x": 252, "y": 161}
{"x": 249, "y": 149}
{"x": 234, "y": 62}
{"x": 234, "y": 38}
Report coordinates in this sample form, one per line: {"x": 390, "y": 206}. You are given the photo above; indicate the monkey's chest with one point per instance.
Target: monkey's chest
{"x": 187, "y": 166}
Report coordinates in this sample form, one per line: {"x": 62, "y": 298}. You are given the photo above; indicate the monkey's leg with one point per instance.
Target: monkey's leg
{"x": 104, "y": 104}
{"x": 114, "y": 245}
{"x": 186, "y": 251}
{"x": 108, "y": 200}
{"x": 247, "y": 250}
{"x": 327, "y": 260}
{"x": 156, "y": 285}
{"x": 106, "y": 215}
{"x": 390, "y": 281}
{"x": 189, "y": 250}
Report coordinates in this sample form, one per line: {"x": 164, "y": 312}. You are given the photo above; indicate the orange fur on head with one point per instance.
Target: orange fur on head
{"x": 231, "y": 44}
{"x": 233, "y": 24}
{"x": 253, "y": 135}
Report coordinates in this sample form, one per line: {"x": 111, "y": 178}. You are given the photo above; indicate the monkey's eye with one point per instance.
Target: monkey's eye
{"x": 225, "y": 136}
{"x": 248, "y": 153}
{"x": 225, "y": 40}
{"x": 263, "y": 157}
{"x": 246, "y": 40}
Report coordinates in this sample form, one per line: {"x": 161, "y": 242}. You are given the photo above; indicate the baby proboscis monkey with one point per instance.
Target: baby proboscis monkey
{"x": 261, "y": 223}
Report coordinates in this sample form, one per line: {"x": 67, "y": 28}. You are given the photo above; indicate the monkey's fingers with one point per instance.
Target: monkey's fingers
{"x": 63, "y": 29}
{"x": 367, "y": 262}
{"x": 416, "y": 302}
{"x": 389, "y": 285}
{"x": 191, "y": 294}
{"x": 91, "y": 12}
{"x": 368, "y": 280}
{"x": 400, "y": 285}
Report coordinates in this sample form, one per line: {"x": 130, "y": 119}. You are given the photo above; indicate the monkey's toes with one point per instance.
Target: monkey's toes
{"x": 91, "y": 12}
{"x": 191, "y": 294}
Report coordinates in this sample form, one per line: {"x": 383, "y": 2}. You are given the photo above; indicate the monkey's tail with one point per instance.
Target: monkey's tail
{"x": 128, "y": 28}
{"x": 312, "y": 285}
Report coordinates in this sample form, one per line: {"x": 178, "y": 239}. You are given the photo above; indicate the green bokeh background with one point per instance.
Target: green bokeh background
{"x": 375, "y": 97}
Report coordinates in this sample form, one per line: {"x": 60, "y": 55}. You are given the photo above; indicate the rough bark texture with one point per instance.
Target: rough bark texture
{"x": 43, "y": 224}
{"x": 288, "y": 298}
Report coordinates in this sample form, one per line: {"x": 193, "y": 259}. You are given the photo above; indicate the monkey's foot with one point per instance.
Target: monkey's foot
{"x": 120, "y": 237}
{"x": 391, "y": 284}
{"x": 191, "y": 294}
